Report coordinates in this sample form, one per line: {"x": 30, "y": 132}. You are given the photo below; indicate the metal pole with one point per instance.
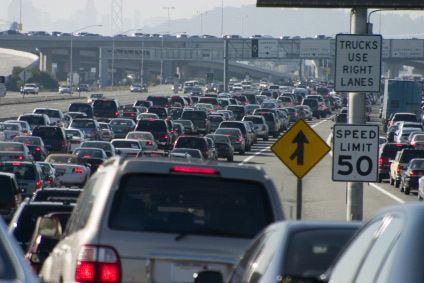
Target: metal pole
{"x": 299, "y": 199}
{"x": 161, "y": 62}
{"x": 71, "y": 62}
{"x": 226, "y": 58}
{"x": 300, "y": 70}
{"x": 222, "y": 18}
{"x": 20, "y": 15}
{"x": 142, "y": 62}
{"x": 113, "y": 59}
{"x": 356, "y": 116}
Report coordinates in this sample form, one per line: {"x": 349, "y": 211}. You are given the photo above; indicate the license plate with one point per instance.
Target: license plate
{"x": 183, "y": 272}
{"x": 60, "y": 172}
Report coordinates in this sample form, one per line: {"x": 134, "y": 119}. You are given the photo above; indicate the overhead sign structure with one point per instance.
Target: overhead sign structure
{"x": 315, "y": 48}
{"x": 404, "y": 4}
{"x": 407, "y": 48}
{"x": 358, "y": 63}
{"x": 300, "y": 148}
{"x": 355, "y": 153}
{"x": 265, "y": 48}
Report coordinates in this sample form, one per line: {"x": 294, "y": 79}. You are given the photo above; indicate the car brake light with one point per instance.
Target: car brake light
{"x": 412, "y": 173}
{"x": 37, "y": 184}
{"x": 238, "y": 139}
{"x": 380, "y": 161}
{"x": 165, "y": 137}
{"x": 116, "y": 114}
{"x": 16, "y": 163}
{"x": 49, "y": 181}
{"x": 37, "y": 149}
{"x": 77, "y": 170}
{"x": 98, "y": 264}
{"x": 149, "y": 143}
{"x": 194, "y": 170}
{"x": 413, "y": 143}
{"x": 20, "y": 157}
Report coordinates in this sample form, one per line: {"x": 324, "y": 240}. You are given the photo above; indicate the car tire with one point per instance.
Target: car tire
{"x": 275, "y": 134}
{"x": 420, "y": 198}
{"x": 241, "y": 152}
{"x": 397, "y": 183}
{"x": 380, "y": 179}
{"x": 310, "y": 119}
{"x": 230, "y": 158}
{"x": 407, "y": 190}
{"x": 265, "y": 138}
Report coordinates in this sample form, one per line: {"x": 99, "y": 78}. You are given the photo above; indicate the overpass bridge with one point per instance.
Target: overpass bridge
{"x": 93, "y": 56}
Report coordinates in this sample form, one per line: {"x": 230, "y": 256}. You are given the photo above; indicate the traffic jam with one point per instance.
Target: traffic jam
{"x": 150, "y": 192}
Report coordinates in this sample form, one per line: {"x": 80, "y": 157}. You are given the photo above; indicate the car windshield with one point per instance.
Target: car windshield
{"x": 191, "y": 142}
{"x": 208, "y": 206}
{"x": 102, "y": 145}
{"x": 11, "y": 147}
{"x": 194, "y": 115}
{"x": 89, "y": 153}
{"x": 126, "y": 144}
{"x": 28, "y": 140}
{"x": 32, "y": 120}
{"x": 255, "y": 120}
{"x": 311, "y": 252}
{"x": 48, "y": 112}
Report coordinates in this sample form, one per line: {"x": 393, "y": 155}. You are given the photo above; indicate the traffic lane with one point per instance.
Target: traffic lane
{"x": 323, "y": 199}
{"x": 124, "y": 97}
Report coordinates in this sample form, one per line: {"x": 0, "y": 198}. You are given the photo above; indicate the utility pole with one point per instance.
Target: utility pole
{"x": 222, "y": 18}
{"x": 355, "y": 198}
{"x": 20, "y": 27}
{"x": 226, "y": 59}
{"x": 169, "y": 8}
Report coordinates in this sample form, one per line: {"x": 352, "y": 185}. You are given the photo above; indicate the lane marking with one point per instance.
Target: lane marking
{"x": 247, "y": 159}
{"x": 374, "y": 185}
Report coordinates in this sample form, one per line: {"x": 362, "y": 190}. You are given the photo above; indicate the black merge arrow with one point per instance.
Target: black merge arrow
{"x": 300, "y": 139}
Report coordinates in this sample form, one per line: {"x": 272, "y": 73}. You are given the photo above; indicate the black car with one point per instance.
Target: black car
{"x": 106, "y": 109}
{"x": 199, "y": 119}
{"x": 414, "y": 171}
{"x": 159, "y": 110}
{"x": 54, "y": 138}
{"x": 387, "y": 154}
{"x": 159, "y": 129}
{"x": 223, "y": 146}
{"x": 161, "y": 101}
{"x": 64, "y": 195}
{"x": 10, "y": 195}
{"x": 35, "y": 145}
{"x": 86, "y": 108}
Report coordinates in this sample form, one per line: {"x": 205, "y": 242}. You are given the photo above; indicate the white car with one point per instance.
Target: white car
{"x": 30, "y": 89}
{"x": 146, "y": 139}
{"x": 76, "y": 138}
{"x": 127, "y": 147}
{"x": 11, "y": 130}
{"x": 65, "y": 89}
{"x": 70, "y": 170}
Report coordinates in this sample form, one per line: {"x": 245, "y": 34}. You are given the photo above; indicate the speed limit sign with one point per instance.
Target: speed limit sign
{"x": 355, "y": 153}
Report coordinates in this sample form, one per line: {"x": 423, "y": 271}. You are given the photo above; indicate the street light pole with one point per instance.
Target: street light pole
{"x": 169, "y": 17}
{"x": 222, "y": 18}
{"x": 71, "y": 52}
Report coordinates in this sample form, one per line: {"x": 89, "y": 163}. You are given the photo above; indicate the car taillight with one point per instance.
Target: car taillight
{"x": 37, "y": 184}
{"x": 239, "y": 140}
{"x": 165, "y": 136}
{"x": 398, "y": 169}
{"x": 413, "y": 143}
{"x": 380, "y": 161}
{"x": 20, "y": 157}
{"x": 194, "y": 170}
{"x": 98, "y": 264}
{"x": 77, "y": 170}
{"x": 149, "y": 143}
{"x": 49, "y": 181}
{"x": 37, "y": 149}
{"x": 412, "y": 173}
{"x": 16, "y": 163}
{"x": 116, "y": 114}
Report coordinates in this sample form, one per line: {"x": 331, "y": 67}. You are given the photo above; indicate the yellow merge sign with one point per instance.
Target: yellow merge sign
{"x": 300, "y": 148}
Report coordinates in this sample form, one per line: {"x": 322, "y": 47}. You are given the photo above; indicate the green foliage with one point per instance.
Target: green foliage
{"x": 43, "y": 79}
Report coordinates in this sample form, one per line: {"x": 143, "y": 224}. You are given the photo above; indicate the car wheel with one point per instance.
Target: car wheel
{"x": 401, "y": 186}
{"x": 230, "y": 158}
{"x": 310, "y": 119}
{"x": 265, "y": 138}
{"x": 397, "y": 183}
{"x": 380, "y": 179}
{"x": 241, "y": 152}
{"x": 420, "y": 198}
{"x": 406, "y": 190}
{"x": 275, "y": 135}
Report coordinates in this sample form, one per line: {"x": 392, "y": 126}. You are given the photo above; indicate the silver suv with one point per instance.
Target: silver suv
{"x": 162, "y": 221}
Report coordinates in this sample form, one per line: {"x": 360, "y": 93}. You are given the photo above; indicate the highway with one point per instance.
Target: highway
{"x": 322, "y": 198}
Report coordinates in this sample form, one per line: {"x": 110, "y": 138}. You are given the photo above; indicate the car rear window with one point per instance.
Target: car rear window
{"x": 11, "y": 147}
{"x": 80, "y": 107}
{"x": 83, "y": 124}
{"x": 404, "y": 117}
{"x": 158, "y": 101}
{"x": 48, "y": 112}
{"x": 88, "y": 153}
{"x": 211, "y": 206}
{"x": 126, "y": 144}
{"x": 28, "y": 140}
{"x": 6, "y": 194}
{"x": 310, "y": 253}
{"x": 191, "y": 142}
{"x": 33, "y": 120}
{"x": 48, "y": 133}
{"x": 215, "y": 118}
{"x": 310, "y": 102}
{"x": 407, "y": 155}
{"x": 194, "y": 115}
{"x": 390, "y": 150}
{"x": 22, "y": 171}
{"x": 151, "y": 126}
{"x": 210, "y": 100}
{"x": 104, "y": 105}
{"x": 255, "y": 120}
{"x": 236, "y": 109}
{"x": 240, "y": 126}
{"x": 121, "y": 122}
{"x": 10, "y": 127}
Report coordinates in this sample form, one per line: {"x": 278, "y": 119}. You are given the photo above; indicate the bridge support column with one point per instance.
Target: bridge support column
{"x": 103, "y": 68}
{"x": 45, "y": 61}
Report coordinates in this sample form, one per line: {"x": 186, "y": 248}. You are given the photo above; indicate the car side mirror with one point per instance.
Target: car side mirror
{"x": 208, "y": 276}
{"x": 50, "y": 227}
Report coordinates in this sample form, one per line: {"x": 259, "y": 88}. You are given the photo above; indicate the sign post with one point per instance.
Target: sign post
{"x": 300, "y": 149}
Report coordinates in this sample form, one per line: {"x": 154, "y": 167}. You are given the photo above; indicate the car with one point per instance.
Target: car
{"x": 238, "y": 111}
{"x": 313, "y": 105}
{"x": 83, "y": 88}
{"x": 35, "y": 120}
{"x": 187, "y": 124}
{"x": 236, "y": 137}
{"x": 92, "y": 156}
{"x": 398, "y": 166}
{"x": 127, "y": 147}
{"x": 214, "y": 121}
{"x": 203, "y": 210}
{"x": 10, "y": 151}
{"x": 121, "y": 126}
{"x": 107, "y": 147}
{"x": 89, "y": 127}
{"x": 146, "y": 139}
{"x": 86, "y": 108}
{"x": 387, "y": 154}
{"x": 11, "y": 130}
{"x": 10, "y": 195}
{"x": 401, "y": 116}
{"x": 199, "y": 143}
{"x": 379, "y": 250}
{"x": 131, "y": 112}
{"x": 30, "y": 89}
{"x": 70, "y": 169}
{"x": 48, "y": 174}
{"x": 271, "y": 121}
{"x": 23, "y": 223}
{"x": 292, "y": 249}
{"x": 260, "y": 126}
{"x": 55, "y": 115}
{"x": 29, "y": 175}
{"x": 223, "y": 146}
{"x": 138, "y": 88}
{"x": 175, "y": 113}
{"x": 162, "y": 112}
{"x": 161, "y": 101}
{"x": 75, "y": 137}
{"x": 413, "y": 172}
{"x": 199, "y": 119}
{"x": 417, "y": 141}
{"x": 247, "y": 135}
{"x": 65, "y": 89}
{"x": 35, "y": 146}
{"x": 54, "y": 138}
{"x": 106, "y": 109}
{"x": 186, "y": 153}
{"x": 95, "y": 96}
{"x": 106, "y": 133}
{"x": 25, "y": 127}
{"x": 160, "y": 130}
